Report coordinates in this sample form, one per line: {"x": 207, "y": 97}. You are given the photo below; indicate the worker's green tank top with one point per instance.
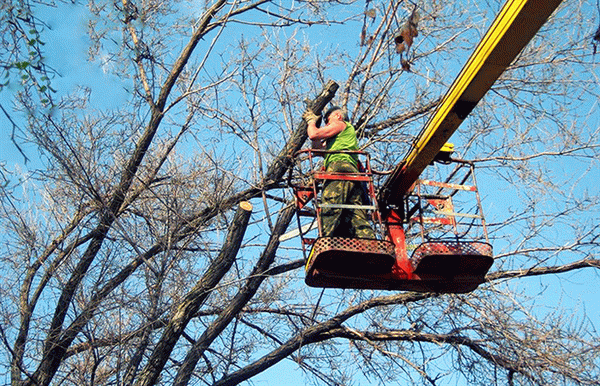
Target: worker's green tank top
{"x": 345, "y": 140}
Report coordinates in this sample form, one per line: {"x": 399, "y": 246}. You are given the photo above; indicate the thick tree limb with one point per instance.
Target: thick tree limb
{"x": 585, "y": 263}
{"x": 196, "y": 297}
{"x": 375, "y": 128}
{"x": 279, "y": 166}
{"x": 414, "y": 336}
{"x": 313, "y": 334}
{"x": 238, "y": 302}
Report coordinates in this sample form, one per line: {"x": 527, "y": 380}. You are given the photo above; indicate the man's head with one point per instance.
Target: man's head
{"x": 335, "y": 112}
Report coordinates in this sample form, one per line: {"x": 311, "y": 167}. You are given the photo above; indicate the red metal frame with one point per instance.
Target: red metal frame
{"x": 442, "y": 266}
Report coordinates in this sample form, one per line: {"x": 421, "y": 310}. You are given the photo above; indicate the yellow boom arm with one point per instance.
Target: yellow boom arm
{"x": 513, "y": 28}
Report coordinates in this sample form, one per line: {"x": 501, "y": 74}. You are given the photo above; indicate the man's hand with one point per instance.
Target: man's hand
{"x": 309, "y": 116}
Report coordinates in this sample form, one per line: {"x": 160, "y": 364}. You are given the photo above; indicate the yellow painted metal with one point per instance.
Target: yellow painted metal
{"x": 448, "y": 147}
{"x": 513, "y": 28}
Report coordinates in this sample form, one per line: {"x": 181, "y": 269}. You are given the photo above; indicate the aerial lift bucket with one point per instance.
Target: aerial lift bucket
{"x": 453, "y": 265}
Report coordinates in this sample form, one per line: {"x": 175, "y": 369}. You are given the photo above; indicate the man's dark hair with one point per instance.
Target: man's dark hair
{"x": 331, "y": 110}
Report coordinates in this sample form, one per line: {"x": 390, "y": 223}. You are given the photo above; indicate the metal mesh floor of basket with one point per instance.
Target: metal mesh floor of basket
{"x": 353, "y": 245}
{"x": 452, "y": 258}
{"x": 351, "y": 256}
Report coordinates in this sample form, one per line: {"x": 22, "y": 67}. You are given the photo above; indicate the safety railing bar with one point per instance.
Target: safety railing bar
{"x": 347, "y": 206}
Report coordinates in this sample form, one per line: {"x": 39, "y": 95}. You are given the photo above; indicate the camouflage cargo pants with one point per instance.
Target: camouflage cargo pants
{"x": 338, "y": 222}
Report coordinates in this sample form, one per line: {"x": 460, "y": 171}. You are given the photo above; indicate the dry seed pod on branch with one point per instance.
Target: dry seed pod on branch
{"x": 405, "y": 37}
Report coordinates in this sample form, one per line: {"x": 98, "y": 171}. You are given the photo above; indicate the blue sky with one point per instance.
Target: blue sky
{"x": 67, "y": 53}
